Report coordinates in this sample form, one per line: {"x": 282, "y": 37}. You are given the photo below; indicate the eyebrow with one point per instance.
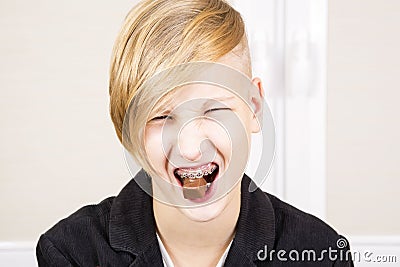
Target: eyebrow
{"x": 211, "y": 101}
{"x": 223, "y": 98}
{"x": 161, "y": 110}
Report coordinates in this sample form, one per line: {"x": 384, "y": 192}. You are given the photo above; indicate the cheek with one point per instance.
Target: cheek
{"x": 247, "y": 119}
{"x": 220, "y": 138}
{"x": 233, "y": 134}
{"x": 153, "y": 146}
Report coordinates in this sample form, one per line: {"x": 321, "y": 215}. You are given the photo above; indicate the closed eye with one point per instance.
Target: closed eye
{"x": 216, "y": 109}
{"x": 159, "y": 118}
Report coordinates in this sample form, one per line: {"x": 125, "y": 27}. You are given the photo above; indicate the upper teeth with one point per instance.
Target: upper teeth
{"x": 196, "y": 173}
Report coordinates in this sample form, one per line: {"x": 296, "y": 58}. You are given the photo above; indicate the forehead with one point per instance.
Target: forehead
{"x": 195, "y": 80}
{"x": 201, "y": 92}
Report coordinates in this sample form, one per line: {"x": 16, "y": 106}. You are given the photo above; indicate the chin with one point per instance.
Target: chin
{"x": 207, "y": 212}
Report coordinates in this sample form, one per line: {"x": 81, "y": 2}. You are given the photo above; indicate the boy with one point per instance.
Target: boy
{"x": 184, "y": 112}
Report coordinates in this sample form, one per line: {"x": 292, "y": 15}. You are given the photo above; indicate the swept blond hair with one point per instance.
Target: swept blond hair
{"x": 164, "y": 33}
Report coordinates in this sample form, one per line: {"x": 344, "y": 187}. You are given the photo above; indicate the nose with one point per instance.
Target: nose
{"x": 190, "y": 139}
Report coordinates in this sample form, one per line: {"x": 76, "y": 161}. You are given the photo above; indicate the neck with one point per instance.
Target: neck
{"x": 182, "y": 234}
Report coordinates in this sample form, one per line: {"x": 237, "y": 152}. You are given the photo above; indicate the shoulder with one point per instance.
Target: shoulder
{"x": 288, "y": 215}
{"x": 75, "y": 235}
{"x": 95, "y": 217}
{"x": 297, "y": 228}
{"x": 307, "y": 239}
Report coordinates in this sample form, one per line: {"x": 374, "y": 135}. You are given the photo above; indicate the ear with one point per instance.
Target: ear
{"x": 256, "y": 99}
{"x": 257, "y": 82}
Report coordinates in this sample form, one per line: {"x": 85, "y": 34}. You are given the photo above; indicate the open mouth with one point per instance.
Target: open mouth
{"x": 208, "y": 172}
{"x": 196, "y": 181}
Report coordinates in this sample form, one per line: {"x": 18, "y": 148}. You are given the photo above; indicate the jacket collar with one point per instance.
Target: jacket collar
{"x": 132, "y": 224}
{"x": 255, "y": 228}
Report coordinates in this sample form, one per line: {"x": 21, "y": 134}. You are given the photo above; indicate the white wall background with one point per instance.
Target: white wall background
{"x": 364, "y": 116}
{"x": 58, "y": 147}
{"x": 59, "y": 151}
{"x": 288, "y": 45}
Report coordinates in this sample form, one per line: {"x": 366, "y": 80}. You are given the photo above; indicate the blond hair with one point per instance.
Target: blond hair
{"x": 164, "y": 33}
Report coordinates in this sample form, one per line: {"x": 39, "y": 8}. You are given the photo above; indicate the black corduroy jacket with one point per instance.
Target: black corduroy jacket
{"x": 120, "y": 231}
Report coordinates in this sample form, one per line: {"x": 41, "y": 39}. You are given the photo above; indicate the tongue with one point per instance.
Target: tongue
{"x": 194, "y": 188}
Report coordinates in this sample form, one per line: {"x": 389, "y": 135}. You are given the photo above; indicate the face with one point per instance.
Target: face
{"x": 199, "y": 131}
